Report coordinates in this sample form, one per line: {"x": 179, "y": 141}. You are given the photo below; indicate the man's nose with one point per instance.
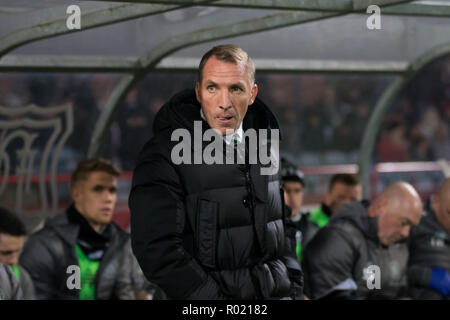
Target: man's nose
{"x": 224, "y": 100}
{"x": 14, "y": 259}
{"x": 108, "y": 196}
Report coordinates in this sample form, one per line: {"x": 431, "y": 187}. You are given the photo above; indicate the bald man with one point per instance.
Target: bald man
{"x": 359, "y": 254}
{"x": 429, "y": 245}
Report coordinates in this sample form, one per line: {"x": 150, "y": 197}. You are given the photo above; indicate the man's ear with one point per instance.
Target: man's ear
{"x": 327, "y": 198}
{"x": 254, "y": 94}
{"x": 75, "y": 193}
{"x": 197, "y": 92}
{"x": 378, "y": 207}
{"x": 435, "y": 202}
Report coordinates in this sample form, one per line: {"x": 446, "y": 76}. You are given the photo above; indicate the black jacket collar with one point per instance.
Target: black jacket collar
{"x": 69, "y": 231}
{"x": 89, "y": 239}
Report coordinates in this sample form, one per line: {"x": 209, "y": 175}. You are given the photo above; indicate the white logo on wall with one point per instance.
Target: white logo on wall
{"x": 374, "y": 21}
{"x": 372, "y": 275}
{"x": 74, "y": 280}
{"x": 31, "y": 139}
{"x": 74, "y": 20}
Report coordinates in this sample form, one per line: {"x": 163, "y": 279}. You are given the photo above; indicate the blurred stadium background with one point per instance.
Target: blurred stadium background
{"x": 323, "y": 79}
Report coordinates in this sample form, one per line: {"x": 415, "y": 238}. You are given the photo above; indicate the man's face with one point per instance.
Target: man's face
{"x": 342, "y": 193}
{"x": 293, "y": 195}
{"x": 95, "y": 198}
{"x": 442, "y": 210}
{"x": 395, "y": 221}
{"x": 225, "y": 93}
{"x": 10, "y": 248}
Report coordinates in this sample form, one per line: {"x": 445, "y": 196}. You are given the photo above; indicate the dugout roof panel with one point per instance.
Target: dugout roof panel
{"x": 346, "y": 37}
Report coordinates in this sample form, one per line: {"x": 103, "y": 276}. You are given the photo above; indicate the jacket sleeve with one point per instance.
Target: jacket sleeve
{"x": 290, "y": 259}
{"x": 27, "y": 285}
{"x": 418, "y": 275}
{"x": 328, "y": 262}
{"x": 143, "y": 288}
{"x": 157, "y": 222}
{"x": 39, "y": 263}
{"x": 125, "y": 285}
{"x": 310, "y": 230}
{"x": 295, "y": 276}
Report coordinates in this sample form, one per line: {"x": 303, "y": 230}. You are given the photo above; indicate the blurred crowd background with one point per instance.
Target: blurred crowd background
{"x": 323, "y": 118}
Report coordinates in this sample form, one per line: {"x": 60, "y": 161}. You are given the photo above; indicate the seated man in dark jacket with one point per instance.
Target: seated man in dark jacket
{"x": 206, "y": 229}
{"x": 12, "y": 237}
{"x": 293, "y": 186}
{"x": 343, "y": 188}
{"x": 82, "y": 254}
{"x": 429, "y": 250}
{"x": 357, "y": 255}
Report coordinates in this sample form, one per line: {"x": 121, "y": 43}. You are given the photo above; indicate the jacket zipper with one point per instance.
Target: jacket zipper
{"x": 250, "y": 196}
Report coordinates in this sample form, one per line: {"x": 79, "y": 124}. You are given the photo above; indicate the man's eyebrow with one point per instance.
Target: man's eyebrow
{"x": 209, "y": 82}
{"x": 240, "y": 83}
{"x": 100, "y": 186}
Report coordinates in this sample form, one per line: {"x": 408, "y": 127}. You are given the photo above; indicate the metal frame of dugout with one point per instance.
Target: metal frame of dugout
{"x": 295, "y": 12}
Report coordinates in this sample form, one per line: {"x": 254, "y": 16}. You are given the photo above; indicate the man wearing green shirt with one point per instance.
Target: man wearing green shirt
{"x": 82, "y": 254}
{"x": 343, "y": 188}
{"x": 293, "y": 184}
{"x": 12, "y": 236}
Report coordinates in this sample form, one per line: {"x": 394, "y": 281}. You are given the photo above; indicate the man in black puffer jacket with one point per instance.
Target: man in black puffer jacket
{"x": 429, "y": 250}
{"x": 359, "y": 254}
{"x": 213, "y": 231}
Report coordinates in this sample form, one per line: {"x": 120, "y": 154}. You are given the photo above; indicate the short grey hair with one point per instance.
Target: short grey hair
{"x": 228, "y": 53}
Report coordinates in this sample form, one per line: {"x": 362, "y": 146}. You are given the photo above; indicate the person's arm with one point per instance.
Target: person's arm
{"x": 143, "y": 289}
{"x": 309, "y": 231}
{"x": 437, "y": 279}
{"x": 125, "y": 285}
{"x": 424, "y": 277}
{"x": 290, "y": 258}
{"x": 418, "y": 276}
{"x": 39, "y": 263}
{"x": 327, "y": 264}
{"x": 157, "y": 223}
{"x": 440, "y": 281}
{"x": 26, "y": 284}
{"x": 295, "y": 276}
